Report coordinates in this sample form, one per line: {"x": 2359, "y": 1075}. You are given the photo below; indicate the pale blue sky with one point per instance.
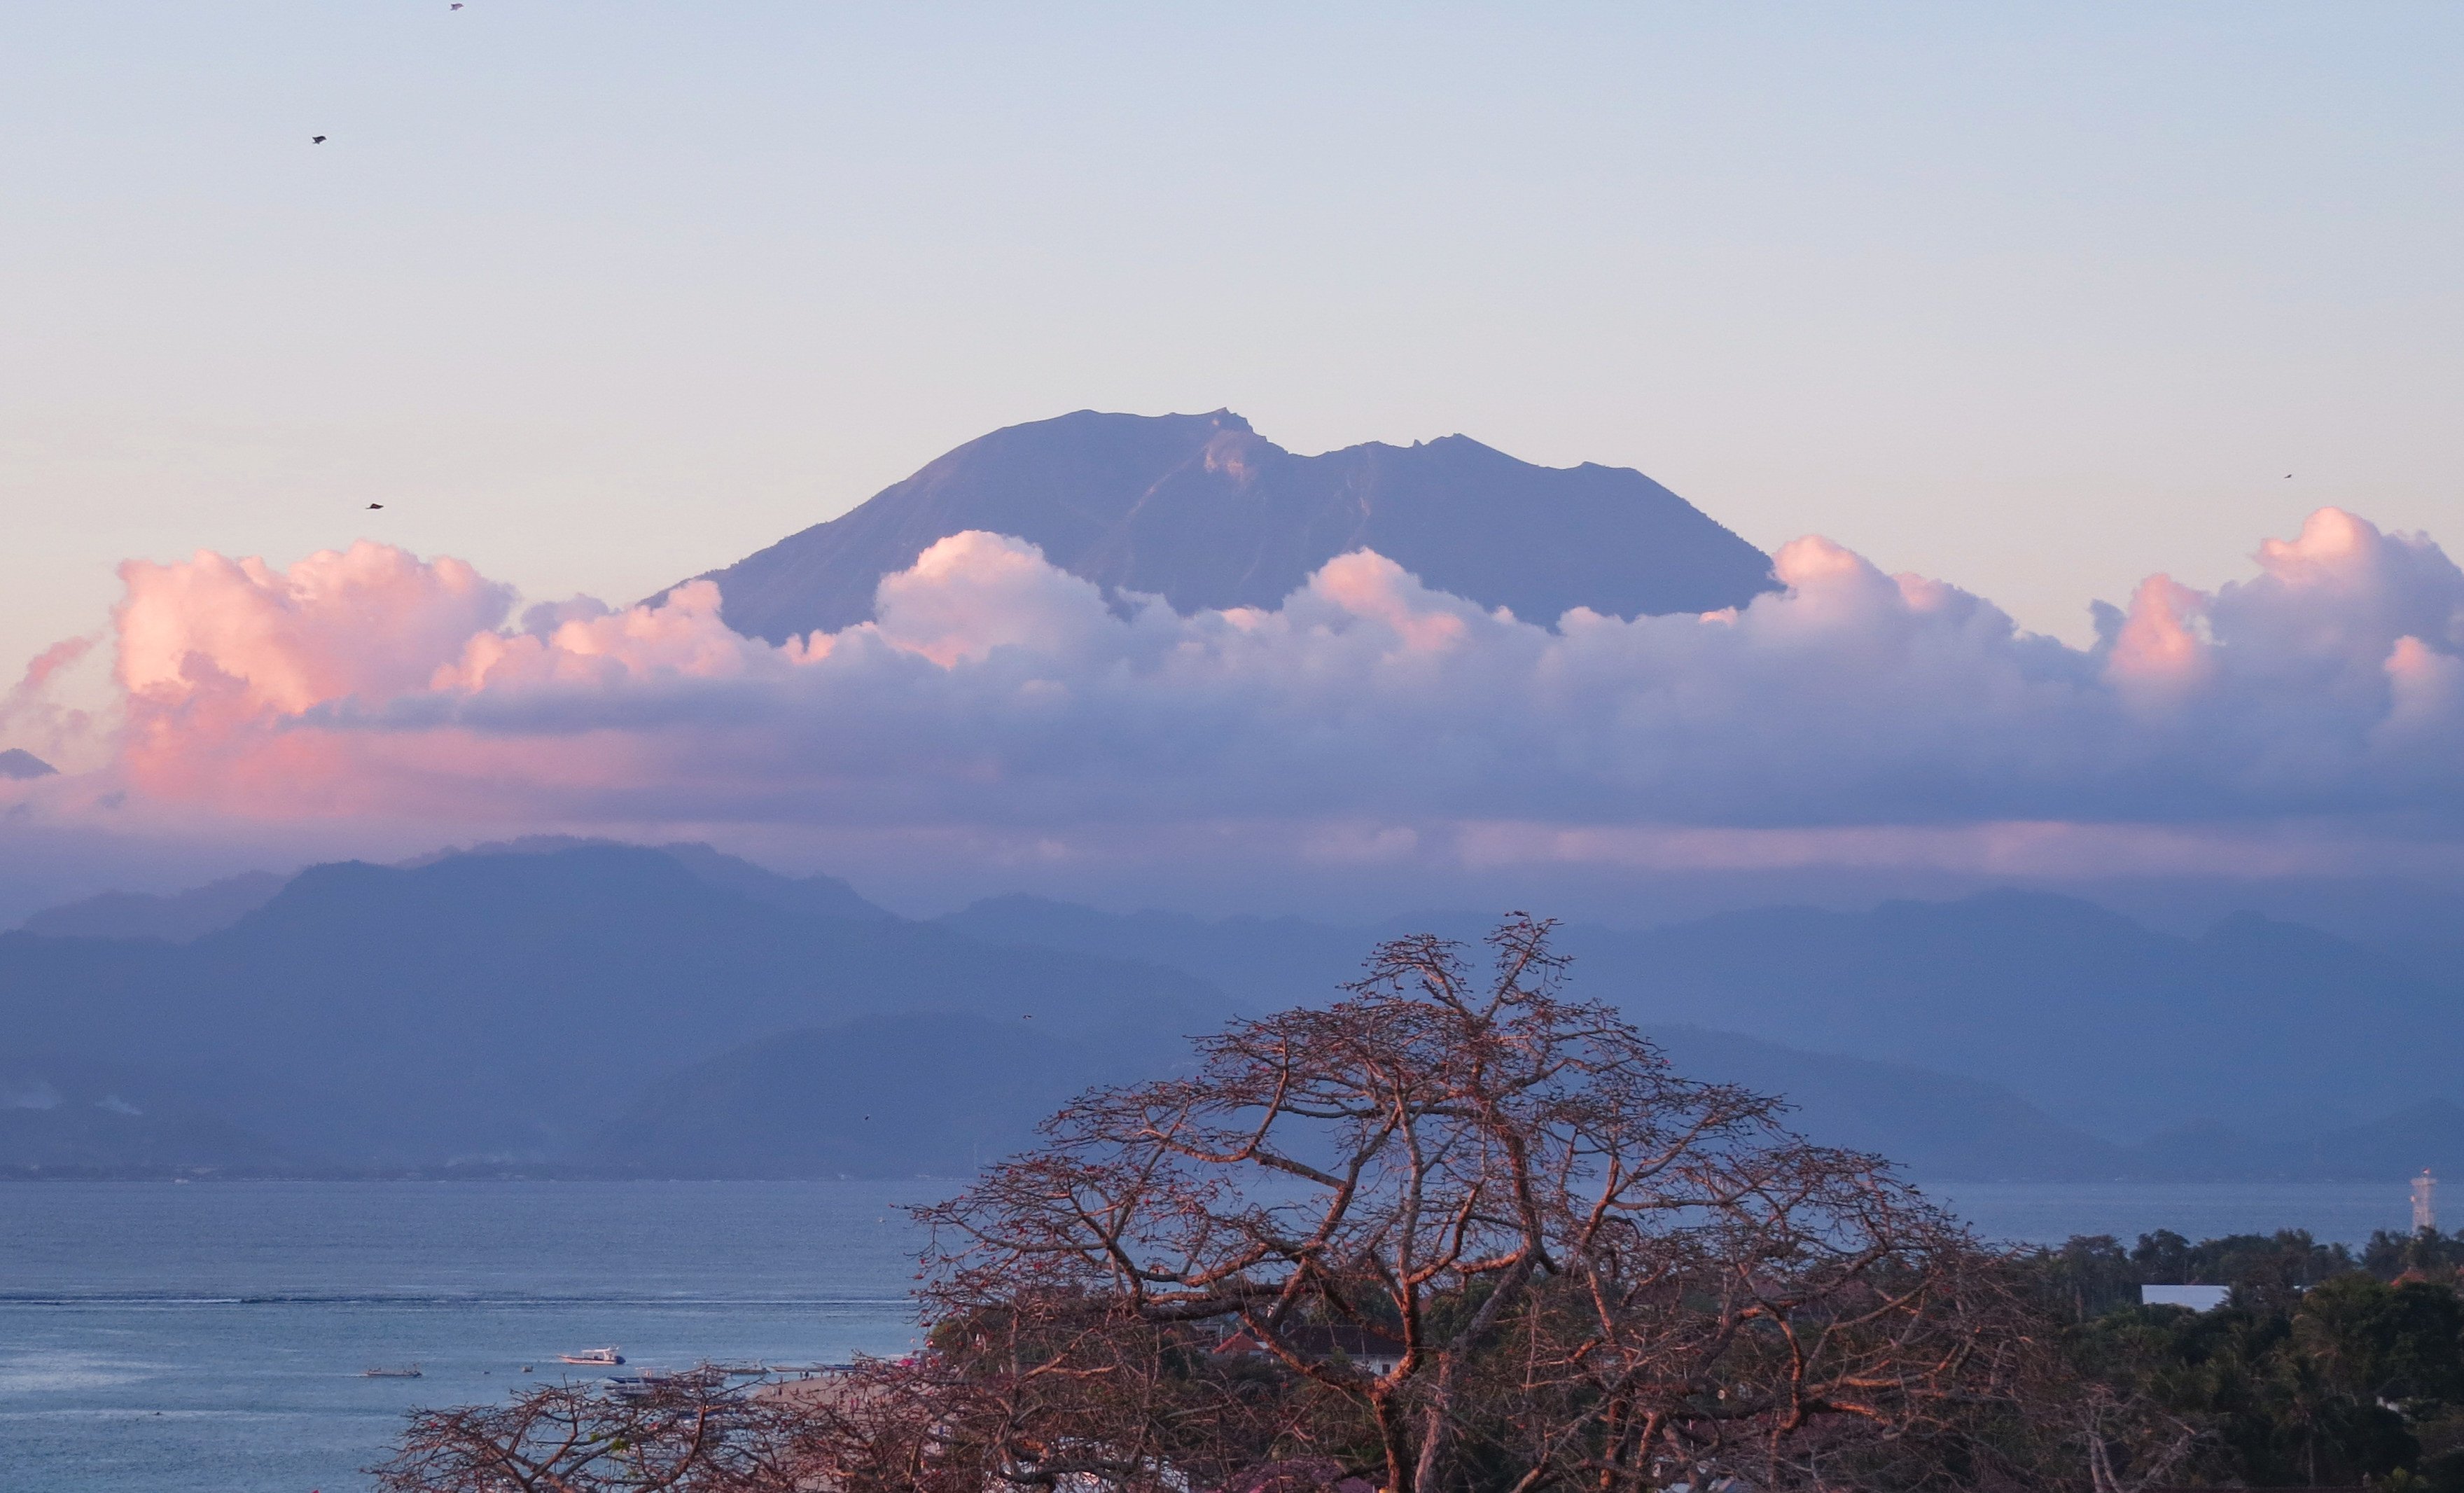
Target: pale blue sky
{"x": 2036, "y": 298}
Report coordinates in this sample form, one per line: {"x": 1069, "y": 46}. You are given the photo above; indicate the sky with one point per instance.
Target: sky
{"x": 2035, "y": 301}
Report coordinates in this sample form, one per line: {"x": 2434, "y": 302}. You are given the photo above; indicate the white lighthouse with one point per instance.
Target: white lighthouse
{"x": 2425, "y": 1202}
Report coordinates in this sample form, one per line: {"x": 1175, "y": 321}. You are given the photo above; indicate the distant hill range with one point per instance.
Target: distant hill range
{"x": 616, "y": 1009}
{"x": 1206, "y": 512}
{"x": 501, "y": 1007}
{"x": 174, "y": 917}
{"x": 2259, "y": 1048}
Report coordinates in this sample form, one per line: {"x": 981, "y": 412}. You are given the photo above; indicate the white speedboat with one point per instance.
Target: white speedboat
{"x": 595, "y": 1357}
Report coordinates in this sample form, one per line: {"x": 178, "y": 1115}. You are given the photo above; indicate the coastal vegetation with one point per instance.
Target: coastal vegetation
{"x": 2323, "y": 1368}
{"x": 1464, "y": 1233}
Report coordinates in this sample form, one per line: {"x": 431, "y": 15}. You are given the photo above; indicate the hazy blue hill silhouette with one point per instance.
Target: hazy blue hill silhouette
{"x": 61, "y": 1112}
{"x": 938, "y": 1093}
{"x": 177, "y": 916}
{"x": 1204, "y": 511}
{"x": 183, "y": 916}
{"x": 818, "y": 895}
{"x": 2429, "y": 1135}
{"x": 512, "y": 1005}
{"x": 927, "y": 1094}
{"x": 2108, "y": 1027}
{"x": 1267, "y": 963}
{"x": 508, "y": 1004}
{"x": 1938, "y": 1126}
{"x": 2287, "y": 1148}
{"x": 815, "y": 896}
{"x": 2105, "y": 1024}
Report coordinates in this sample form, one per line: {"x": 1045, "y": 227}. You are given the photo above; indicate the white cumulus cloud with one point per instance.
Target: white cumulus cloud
{"x": 997, "y": 691}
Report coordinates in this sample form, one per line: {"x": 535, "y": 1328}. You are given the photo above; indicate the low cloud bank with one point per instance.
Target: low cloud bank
{"x": 997, "y": 693}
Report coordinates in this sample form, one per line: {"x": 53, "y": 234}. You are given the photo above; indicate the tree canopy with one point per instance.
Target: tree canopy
{"x": 1459, "y": 1232}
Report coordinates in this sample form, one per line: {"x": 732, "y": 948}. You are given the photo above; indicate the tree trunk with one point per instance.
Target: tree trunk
{"x": 1399, "y": 1452}
{"x": 1429, "y": 1475}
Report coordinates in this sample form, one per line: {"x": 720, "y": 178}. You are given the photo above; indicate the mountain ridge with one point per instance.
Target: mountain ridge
{"x": 506, "y": 1005}
{"x": 1205, "y": 513}
{"x": 638, "y": 1010}
{"x": 2104, "y": 1023}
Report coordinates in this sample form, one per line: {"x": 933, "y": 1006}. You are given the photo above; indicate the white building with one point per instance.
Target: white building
{"x": 2198, "y": 1298}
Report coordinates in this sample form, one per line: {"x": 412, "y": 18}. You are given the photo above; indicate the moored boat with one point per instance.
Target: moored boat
{"x": 598, "y": 1357}
{"x": 650, "y": 1381}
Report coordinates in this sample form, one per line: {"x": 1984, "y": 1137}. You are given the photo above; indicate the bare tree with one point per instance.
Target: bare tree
{"x": 1446, "y": 1233}
{"x": 686, "y": 1435}
{"x": 1595, "y": 1272}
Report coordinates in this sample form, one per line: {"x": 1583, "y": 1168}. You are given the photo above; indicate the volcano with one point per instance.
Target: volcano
{"x": 1206, "y": 512}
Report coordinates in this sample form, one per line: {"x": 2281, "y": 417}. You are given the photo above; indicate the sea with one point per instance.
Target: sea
{"x": 212, "y": 1337}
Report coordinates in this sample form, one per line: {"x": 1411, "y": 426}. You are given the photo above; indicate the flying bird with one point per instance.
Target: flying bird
{"x": 315, "y": 139}
{"x": 376, "y": 505}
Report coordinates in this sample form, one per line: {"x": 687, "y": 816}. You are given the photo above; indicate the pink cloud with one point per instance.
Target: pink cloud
{"x": 370, "y": 620}
{"x": 30, "y": 718}
{"x": 217, "y": 655}
{"x": 2160, "y": 652}
{"x": 1370, "y": 716}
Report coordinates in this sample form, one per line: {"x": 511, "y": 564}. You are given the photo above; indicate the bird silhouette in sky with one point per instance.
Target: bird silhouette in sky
{"x": 373, "y": 505}
{"x": 315, "y": 139}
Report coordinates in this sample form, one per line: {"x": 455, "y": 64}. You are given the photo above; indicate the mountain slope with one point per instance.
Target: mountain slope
{"x": 1264, "y": 963}
{"x": 506, "y": 1005}
{"x": 2429, "y": 1135}
{"x": 532, "y": 1007}
{"x": 62, "y": 1112}
{"x": 940, "y": 1093}
{"x": 1937, "y": 1127}
{"x": 176, "y": 917}
{"x": 184, "y": 916}
{"x": 2103, "y": 1024}
{"x": 1204, "y": 511}
{"x": 936, "y": 1094}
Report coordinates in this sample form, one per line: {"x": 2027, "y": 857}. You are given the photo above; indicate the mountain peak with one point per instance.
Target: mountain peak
{"x": 1206, "y": 512}
{"x": 19, "y": 763}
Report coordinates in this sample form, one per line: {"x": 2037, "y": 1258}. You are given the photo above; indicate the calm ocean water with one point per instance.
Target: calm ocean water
{"x": 208, "y": 1337}
{"x": 170, "y": 1337}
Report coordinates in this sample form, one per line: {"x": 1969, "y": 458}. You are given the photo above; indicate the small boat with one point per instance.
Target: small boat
{"x": 597, "y": 1357}
{"x": 407, "y": 1371}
